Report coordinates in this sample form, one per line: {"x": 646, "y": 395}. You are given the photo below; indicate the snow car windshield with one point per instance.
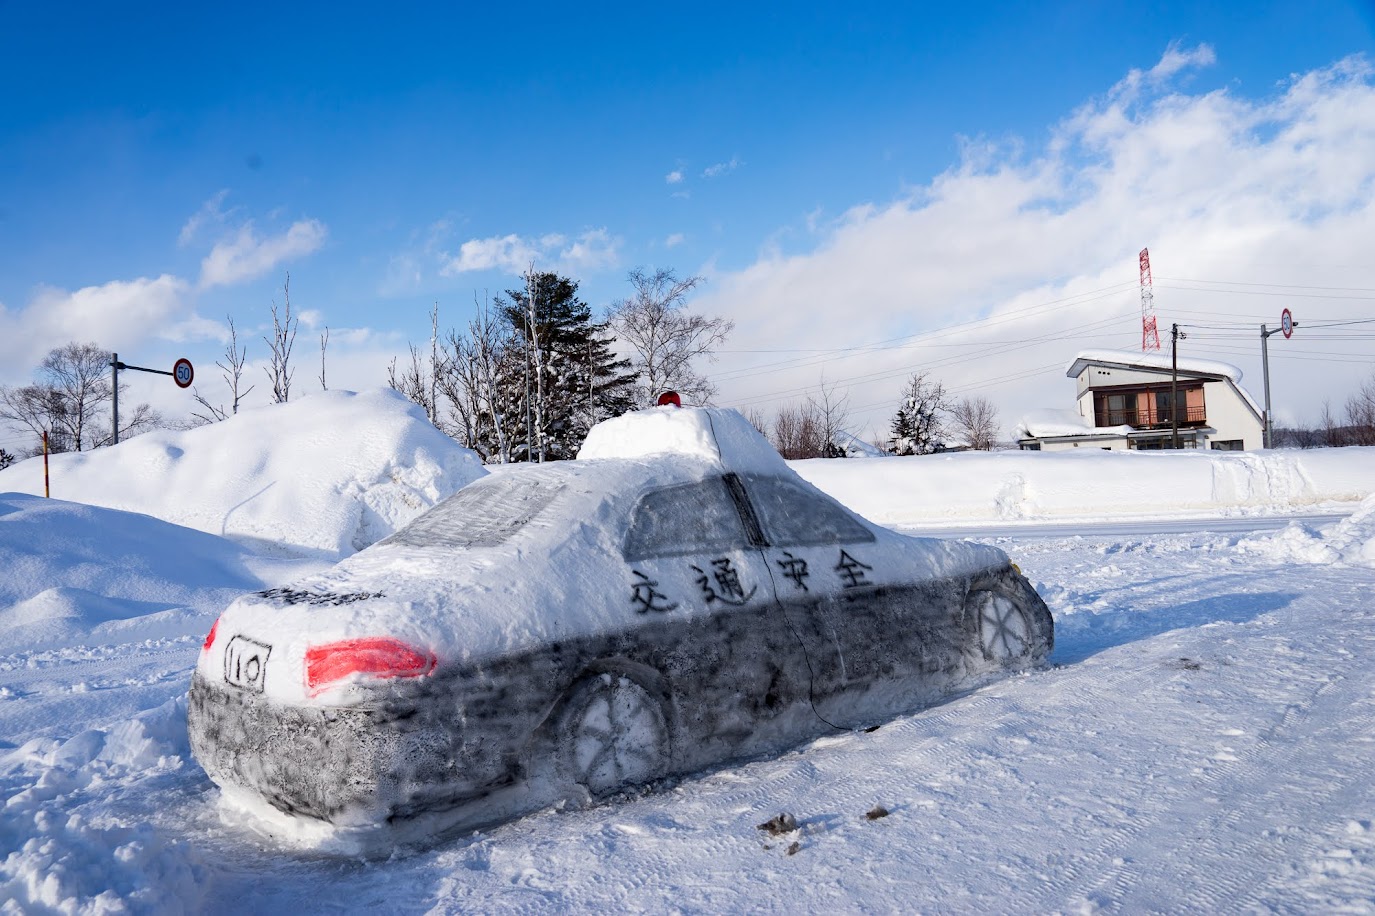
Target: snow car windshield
{"x": 483, "y": 514}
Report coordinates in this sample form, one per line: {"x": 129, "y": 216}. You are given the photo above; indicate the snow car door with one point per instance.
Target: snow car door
{"x": 831, "y": 583}
{"x": 696, "y": 576}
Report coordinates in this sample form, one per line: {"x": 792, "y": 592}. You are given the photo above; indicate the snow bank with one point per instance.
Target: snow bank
{"x": 61, "y": 852}
{"x": 1090, "y": 483}
{"x": 1350, "y": 541}
{"x": 82, "y": 572}
{"x": 332, "y": 472}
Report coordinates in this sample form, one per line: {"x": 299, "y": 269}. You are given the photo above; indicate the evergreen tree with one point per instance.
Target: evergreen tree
{"x": 919, "y": 425}
{"x": 561, "y": 377}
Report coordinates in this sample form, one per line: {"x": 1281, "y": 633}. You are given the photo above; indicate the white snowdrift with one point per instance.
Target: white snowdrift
{"x": 74, "y": 572}
{"x": 1091, "y": 484}
{"x": 332, "y": 472}
{"x": 1351, "y": 541}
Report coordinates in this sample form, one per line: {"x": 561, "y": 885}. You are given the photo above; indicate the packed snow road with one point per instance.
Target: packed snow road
{"x": 1203, "y": 739}
{"x": 1120, "y": 527}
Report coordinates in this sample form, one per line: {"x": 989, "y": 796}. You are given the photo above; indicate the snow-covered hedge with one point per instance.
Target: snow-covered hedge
{"x": 983, "y": 486}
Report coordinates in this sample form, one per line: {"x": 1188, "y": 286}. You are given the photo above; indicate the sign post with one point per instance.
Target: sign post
{"x": 1287, "y": 325}
{"x": 183, "y": 373}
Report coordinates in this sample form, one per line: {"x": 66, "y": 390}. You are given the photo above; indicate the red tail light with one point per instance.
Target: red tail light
{"x": 374, "y": 656}
{"x": 210, "y": 637}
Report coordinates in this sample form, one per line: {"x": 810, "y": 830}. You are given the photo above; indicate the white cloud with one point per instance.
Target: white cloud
{"x": 210, "y": 212}
{"x": 721, "y": 168}
{"x": 1042, "y": 243}
{"x": 594, "y": 249}
{"x": 248, "y": 255}
{"x": 674, "y": 240}
{"x": 674, "y": 177}
{"x": 118, "y": 315}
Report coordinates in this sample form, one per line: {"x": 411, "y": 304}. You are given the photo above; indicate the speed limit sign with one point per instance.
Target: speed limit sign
{"x": 1287, "y": 323}
{"x": 182, "y": 373}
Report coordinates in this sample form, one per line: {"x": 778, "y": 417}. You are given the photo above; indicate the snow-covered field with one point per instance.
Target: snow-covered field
{"x": 1203, "y": 739}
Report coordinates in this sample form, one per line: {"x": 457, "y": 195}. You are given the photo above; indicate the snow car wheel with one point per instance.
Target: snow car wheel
{"x": 1004, "y": 633}
{"x": 614, "y": 734}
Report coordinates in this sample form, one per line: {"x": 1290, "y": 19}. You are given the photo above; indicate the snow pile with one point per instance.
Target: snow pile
{"x": 60, "y": 850}
{"x": 720, "y": 436}
{"x": 81, "y": 572}
{"x": 1091, "y": 483}
{"x": 332, "y": 472}
{"x": 1350, "y": 541}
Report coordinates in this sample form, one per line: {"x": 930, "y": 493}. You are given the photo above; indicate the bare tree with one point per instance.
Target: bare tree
{"x": 758, "y": 419}
{"x": 832, "y": 412}
{"x": 324, "y": 342}
{"x": 665, "y": 339}
{"x": 976, "y": 421}
{"x": 231, "y": 370}
{"x": 72, "y": 388}
{"x": 1360, "y": 415}
{"x": 476, "y": 364}
{"x": 283, "y": 338}
{"x": 1331, "y": 429}
{"x": 797, "y": 432}
{"x": 414, "y": 381}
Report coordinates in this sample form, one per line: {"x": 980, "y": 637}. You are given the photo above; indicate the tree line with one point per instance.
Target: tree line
{"x": 534, "y": 370}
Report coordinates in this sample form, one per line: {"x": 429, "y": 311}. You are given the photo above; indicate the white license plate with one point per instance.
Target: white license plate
{"x": 245, "y": 663}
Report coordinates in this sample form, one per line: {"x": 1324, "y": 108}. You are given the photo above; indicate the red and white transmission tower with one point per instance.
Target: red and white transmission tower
{"x": 1150, "y": 337}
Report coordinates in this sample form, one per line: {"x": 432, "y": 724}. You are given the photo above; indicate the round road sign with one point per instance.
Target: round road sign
{"x": 1286, "y": 323}
{"x": 182, "y": 373}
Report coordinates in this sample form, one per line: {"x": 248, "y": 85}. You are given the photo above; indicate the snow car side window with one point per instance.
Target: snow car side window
{"x": 690, "y": 518}
{"x": 793, "y": 516}
{"x": 483, "y": 514}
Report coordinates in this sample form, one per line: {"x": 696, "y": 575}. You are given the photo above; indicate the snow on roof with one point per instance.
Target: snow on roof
{"x": 1048, "y": 421}
{"x": 718, "y": 435}
{"x": 332, "y": 472}
{"x": 1152, "y": 361}
{"x": 856, "y": 447}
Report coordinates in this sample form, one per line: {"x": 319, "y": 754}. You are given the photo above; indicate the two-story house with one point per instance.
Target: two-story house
{"x": 1134, "y": 401}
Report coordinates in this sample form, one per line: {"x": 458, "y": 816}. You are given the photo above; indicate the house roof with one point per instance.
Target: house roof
{"x": 1160, "y": 362}
{"x": 1154, "y": 362}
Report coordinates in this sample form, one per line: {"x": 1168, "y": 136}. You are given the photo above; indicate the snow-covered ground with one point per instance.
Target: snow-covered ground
{"x": 1203, "y": 739}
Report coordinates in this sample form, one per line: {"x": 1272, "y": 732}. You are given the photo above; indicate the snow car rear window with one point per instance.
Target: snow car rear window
{"x": 691, "y": 518}
{"x": 482, "y": 514}
{"x": 793, "y": 516}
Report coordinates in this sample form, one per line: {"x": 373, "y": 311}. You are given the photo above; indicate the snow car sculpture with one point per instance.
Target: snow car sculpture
{"x": 675, "y": 598}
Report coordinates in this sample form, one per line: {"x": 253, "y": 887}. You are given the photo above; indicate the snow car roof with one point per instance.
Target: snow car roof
{"x": 723, "y": 437}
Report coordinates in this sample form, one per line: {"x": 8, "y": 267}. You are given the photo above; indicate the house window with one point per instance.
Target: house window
{"x": 1226, "y": 445}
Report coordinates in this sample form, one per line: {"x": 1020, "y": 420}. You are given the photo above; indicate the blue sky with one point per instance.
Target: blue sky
{"x": 163, "y": 165}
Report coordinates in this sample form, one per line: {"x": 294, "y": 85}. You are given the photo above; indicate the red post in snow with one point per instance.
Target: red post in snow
{"x": 46, "y": 493}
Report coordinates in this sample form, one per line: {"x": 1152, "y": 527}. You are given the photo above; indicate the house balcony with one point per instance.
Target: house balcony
{"x": 1153, "y": 419}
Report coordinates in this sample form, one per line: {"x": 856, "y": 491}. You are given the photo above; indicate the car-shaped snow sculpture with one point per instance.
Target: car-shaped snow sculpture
{"x": 675, "y": 598}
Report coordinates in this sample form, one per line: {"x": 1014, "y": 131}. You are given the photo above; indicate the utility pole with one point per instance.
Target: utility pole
{"x": 1175, "y": 334}
{"x": 114, "y": 386}
{"x": 1287, "y": 325}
